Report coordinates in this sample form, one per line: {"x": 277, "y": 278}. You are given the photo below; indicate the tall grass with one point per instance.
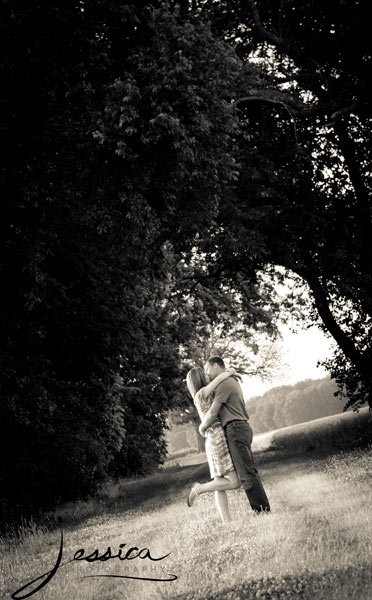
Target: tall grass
{"x": 316, "y": 543}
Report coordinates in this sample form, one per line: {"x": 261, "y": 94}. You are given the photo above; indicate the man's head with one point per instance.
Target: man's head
{"x": 214, "y": 366}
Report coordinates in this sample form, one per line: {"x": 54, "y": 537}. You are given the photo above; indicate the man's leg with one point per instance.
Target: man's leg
{"x": 255, "y": 492}
{"x": 239, "y": 438}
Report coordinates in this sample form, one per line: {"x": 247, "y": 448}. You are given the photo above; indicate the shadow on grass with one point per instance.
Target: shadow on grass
{"x": 143, "y": 494}
{"x": 330, "y": 584}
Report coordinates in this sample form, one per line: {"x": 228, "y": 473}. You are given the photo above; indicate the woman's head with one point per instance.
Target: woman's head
{"x": 195, "y": 380}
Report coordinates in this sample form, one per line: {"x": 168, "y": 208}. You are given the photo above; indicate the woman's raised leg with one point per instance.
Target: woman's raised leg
{"x": 219, "y": 484}
{"x": 230, "y": 481}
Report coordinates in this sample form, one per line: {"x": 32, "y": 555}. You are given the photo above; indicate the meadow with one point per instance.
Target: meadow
{"x": 315, "y": 544}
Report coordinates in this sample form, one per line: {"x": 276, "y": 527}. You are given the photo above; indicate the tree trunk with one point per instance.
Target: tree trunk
{"x": 321, "y": 302}
{"x": 359, "y": 360}
{"x": 347, "y": 147}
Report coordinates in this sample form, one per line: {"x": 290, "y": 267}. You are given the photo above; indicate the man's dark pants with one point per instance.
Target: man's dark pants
{"x": 239, "y": 437}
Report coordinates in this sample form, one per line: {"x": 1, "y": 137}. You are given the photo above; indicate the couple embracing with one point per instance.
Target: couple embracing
{"x": 218, "y": 398}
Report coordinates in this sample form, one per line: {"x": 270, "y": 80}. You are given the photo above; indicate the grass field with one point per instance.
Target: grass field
{"x": 316, "y": 543}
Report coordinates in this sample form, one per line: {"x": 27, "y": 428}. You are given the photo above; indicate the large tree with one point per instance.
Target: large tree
{"x": 77, "y": 265}
{"x": 118, "y": 127}
{"x": 304, "y": 160}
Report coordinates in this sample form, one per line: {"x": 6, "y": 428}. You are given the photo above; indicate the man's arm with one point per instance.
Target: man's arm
{"x": 222, "y": 394}
{"x": 210, "y": 417}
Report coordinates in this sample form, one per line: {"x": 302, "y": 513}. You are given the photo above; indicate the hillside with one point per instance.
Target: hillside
{"x": 292, "y": 404}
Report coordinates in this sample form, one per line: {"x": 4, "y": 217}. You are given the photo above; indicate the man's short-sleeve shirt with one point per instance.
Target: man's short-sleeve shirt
{"x": 229, "y": 394}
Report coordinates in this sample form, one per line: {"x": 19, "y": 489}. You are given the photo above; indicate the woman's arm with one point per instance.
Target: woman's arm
{"x": 208, "y": 389}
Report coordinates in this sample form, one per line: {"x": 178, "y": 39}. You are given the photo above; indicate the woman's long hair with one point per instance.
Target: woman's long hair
{"x": 195, "y": 380}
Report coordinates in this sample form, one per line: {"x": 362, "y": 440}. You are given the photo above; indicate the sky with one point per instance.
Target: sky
{"x": 301, "y": 352}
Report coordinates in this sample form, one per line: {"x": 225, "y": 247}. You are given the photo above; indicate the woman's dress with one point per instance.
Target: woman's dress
{"x": 219, "y": 458}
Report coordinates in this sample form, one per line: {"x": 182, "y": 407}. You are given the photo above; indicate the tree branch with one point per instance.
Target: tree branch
{"x": 290, "y": 103}
{"x": 272, "y": 101}
{"x": 343, "y": 111}
{"x": 266, "y": 35}
{"x": 298, "y": 77}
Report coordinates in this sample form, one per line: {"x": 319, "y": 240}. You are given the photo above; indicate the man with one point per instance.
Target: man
{"x": 228, "y": 405}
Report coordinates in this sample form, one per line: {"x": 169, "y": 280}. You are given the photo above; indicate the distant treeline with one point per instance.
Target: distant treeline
{"x": 292, "y": 404}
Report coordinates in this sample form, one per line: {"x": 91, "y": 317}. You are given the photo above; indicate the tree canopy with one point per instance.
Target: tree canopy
{"x": 305, "y": 161}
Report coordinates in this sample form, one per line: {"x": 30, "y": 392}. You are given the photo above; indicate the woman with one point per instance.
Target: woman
{"x": 223, "y": 474}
